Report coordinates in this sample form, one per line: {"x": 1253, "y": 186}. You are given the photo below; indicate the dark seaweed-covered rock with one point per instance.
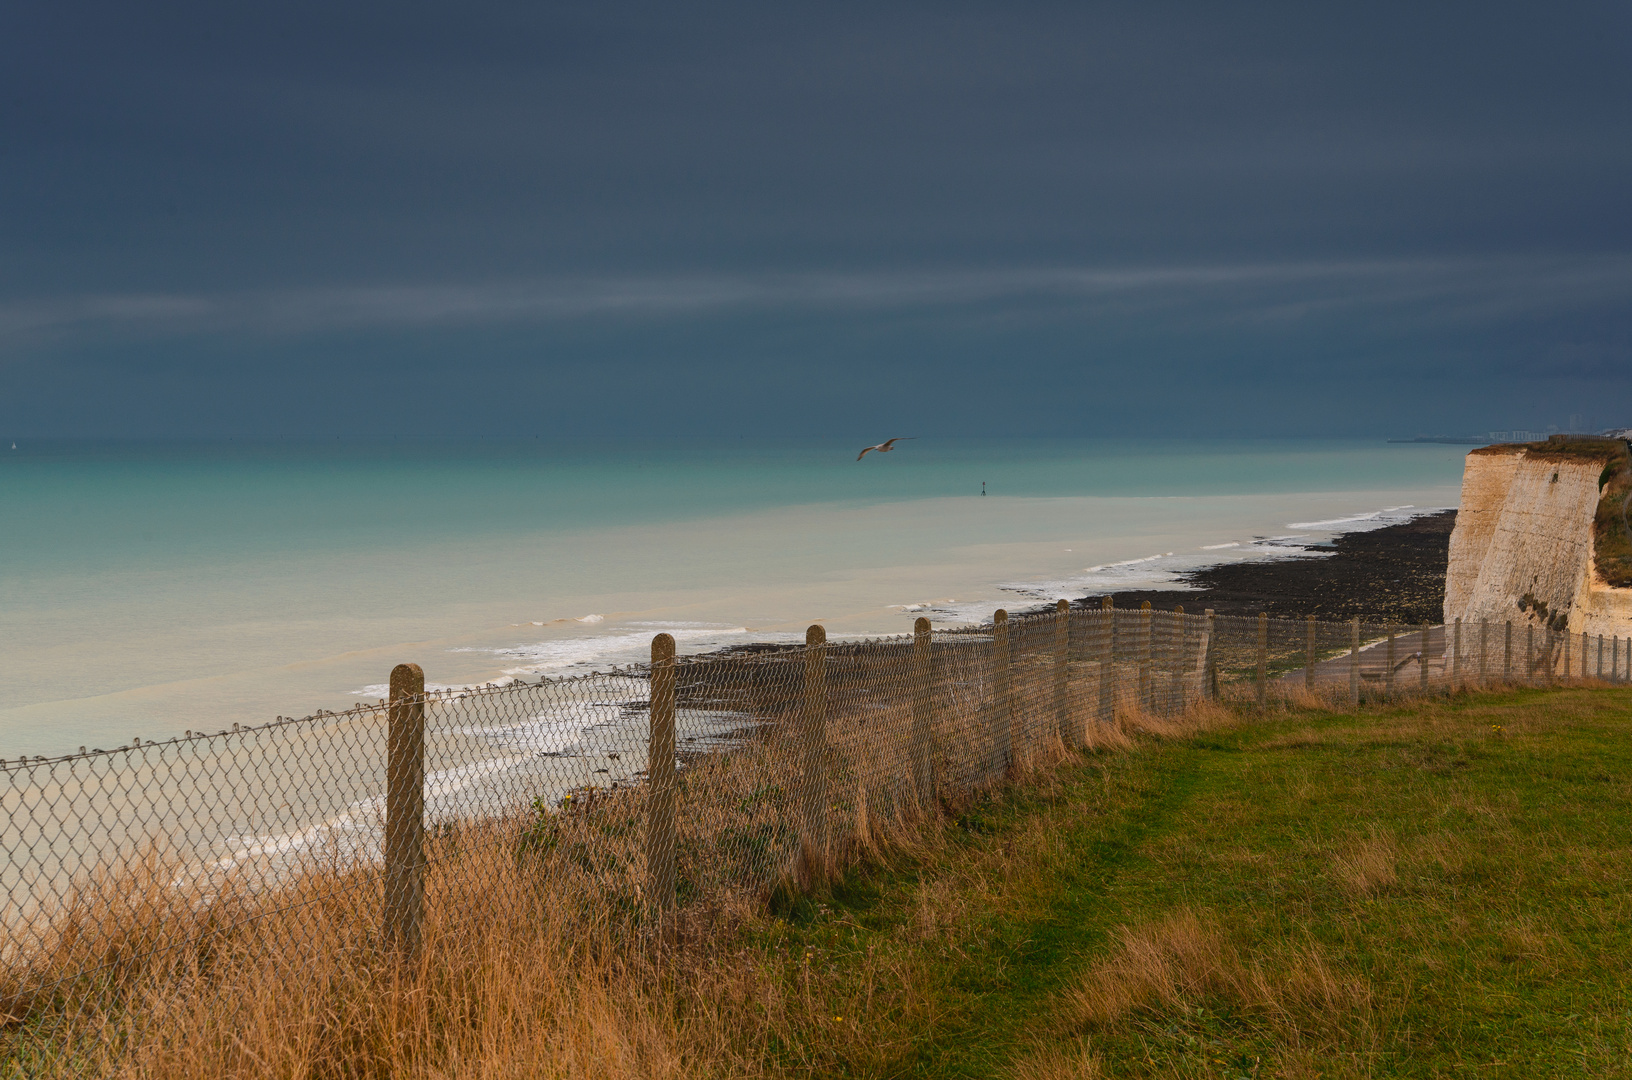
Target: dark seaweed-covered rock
{"x": 1393, "y": 574}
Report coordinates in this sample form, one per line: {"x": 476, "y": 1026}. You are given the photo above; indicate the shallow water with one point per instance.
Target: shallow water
{"x": 148, "y": 588}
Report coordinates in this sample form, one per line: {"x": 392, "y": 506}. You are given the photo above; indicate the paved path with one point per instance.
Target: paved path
{"x": 1408, "y": 661}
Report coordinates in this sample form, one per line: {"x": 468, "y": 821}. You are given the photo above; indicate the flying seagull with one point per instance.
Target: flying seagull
{"x": 884, "y": 447}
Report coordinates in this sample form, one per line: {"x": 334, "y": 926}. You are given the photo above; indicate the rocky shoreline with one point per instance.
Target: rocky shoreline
{"x": 1392, "y": 574}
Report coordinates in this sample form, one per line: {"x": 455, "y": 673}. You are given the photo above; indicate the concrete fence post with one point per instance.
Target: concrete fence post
{"x": 1586, "y": 652}
{"x": 1507, "y": 651}
{"x": 1529, "y": 652}
{"x": 405, "y": 812}
{"x": 1354, "y": 662}
{"x": 1422, "y": 675}
{"x": 813, "y": 747}
{"x": 1388, "y": 676}
{"x": 1456, "y": 654}
{"x": 1002, "y": 741}
{"x": 661, "y": 796}
{"x": 923, "y": 721}
{"x": 1564, "y": 641}
{"x": 1263, "y": 659}
{"x": 1600, "y": 656}
{"x": 1107, "y": 663}
{"x": 1062, "y": 660}
{"x": 1309, "y": 656}
{"x": 1615, "y": 658}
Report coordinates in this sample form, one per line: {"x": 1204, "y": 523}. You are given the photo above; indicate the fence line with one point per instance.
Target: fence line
{"x": 714, "y": 782}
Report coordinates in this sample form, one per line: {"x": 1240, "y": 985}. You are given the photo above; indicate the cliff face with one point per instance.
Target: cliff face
{"x": 1522, "y": 548}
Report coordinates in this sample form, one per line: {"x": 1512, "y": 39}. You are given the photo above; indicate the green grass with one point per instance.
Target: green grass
{"x": 1439, "y": 889}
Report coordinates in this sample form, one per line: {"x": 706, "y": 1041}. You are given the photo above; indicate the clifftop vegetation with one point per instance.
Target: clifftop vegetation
{"x": 1611, "y": 538}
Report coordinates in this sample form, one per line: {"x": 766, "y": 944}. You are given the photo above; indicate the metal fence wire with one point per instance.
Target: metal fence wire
{"x": 134, "y": 877}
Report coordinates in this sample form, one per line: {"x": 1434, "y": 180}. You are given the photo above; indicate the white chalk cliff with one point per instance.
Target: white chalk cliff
{"x": 1522, "y": 548}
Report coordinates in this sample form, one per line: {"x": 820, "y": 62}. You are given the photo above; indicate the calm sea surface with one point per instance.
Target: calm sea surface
{"x": 147, "y": 588}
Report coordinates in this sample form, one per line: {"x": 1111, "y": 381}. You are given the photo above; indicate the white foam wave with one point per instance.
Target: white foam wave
{"x": 1126, "y": 562}
{"x": 1220, "y": 547}
{"x": 604, "y": 652}
{"x": 380, "y": 690}
{"x": 1389, "y": 515}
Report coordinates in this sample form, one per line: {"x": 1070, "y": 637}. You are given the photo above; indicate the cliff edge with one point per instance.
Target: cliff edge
{"x": 1538, "y": 537}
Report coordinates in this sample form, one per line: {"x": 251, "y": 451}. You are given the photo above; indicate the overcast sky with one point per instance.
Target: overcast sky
{"x": 1074, "y": 218}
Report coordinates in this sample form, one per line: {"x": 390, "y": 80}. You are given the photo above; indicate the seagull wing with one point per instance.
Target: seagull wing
{"x": 864, "y": 452}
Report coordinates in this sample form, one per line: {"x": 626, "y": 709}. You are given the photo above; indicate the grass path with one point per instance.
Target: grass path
{"x": 1438, "y": 890}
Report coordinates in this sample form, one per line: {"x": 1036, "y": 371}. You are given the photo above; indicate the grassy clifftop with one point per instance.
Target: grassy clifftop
{"x": 1430, "y": 890}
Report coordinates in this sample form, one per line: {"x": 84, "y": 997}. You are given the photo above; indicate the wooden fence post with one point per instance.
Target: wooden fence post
{"x": 1565, "y": 644}
{"x": 661, "y": 796}
{"x": 1002, "y": 738}
{"x": 1422, "y": 640}
{"x": 1107, "y": 663}
{"x": 1354, "y": 663}
{"x": 923, "y": 758}
{"x": 1507, "y": 652}
{"x": 1456, "y": 655}
{"x": 1179, "y": 647}
{"x": 1210, "y": 661}
{"x": 1147, "y": 688}
{"x": 405, "y": 812}
{"x": 813, "y": 739}
{"x": 1600, "y": 656}
{"x": 1062, "y": 658}
{"x": 1263, "y": 659}
{"x": 1529, "y": 652}
{"x": 1388, "y": 676}
{"x": 1309, "y": 657}
{"x": 1484, "y": 649}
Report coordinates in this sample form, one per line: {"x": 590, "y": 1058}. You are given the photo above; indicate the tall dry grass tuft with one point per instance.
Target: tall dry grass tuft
{"x": 1365, "y": 866}
{"x": 1184, "y": 960}
{"x": 1077, "y": 1062}
{"x": 1203, "y": 715}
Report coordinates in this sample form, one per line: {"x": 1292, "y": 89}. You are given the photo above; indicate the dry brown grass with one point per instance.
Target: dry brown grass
{"x": 523, "y": 973}
{"x": 1074, "y": 1062}
{"x": 1306, "y": 996}
{"x": 1365, "y": 866}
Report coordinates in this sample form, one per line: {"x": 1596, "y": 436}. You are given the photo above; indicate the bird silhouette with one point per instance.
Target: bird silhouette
{"x": 884, "y": 447}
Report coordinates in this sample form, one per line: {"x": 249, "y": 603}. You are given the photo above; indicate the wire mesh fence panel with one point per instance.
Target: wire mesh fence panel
{"x": 140, "y": 878}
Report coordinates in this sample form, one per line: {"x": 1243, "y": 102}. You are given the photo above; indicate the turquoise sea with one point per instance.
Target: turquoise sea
{"x": 151, "y": 587}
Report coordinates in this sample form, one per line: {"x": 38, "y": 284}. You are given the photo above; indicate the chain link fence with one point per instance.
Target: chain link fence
{"x": 143, "y": 879}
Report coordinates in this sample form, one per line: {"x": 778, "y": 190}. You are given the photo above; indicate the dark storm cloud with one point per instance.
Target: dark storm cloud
{"x": 204, "y": 205}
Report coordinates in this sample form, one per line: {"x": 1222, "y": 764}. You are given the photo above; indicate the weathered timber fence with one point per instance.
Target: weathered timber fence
{"x": 685, "y": 785}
